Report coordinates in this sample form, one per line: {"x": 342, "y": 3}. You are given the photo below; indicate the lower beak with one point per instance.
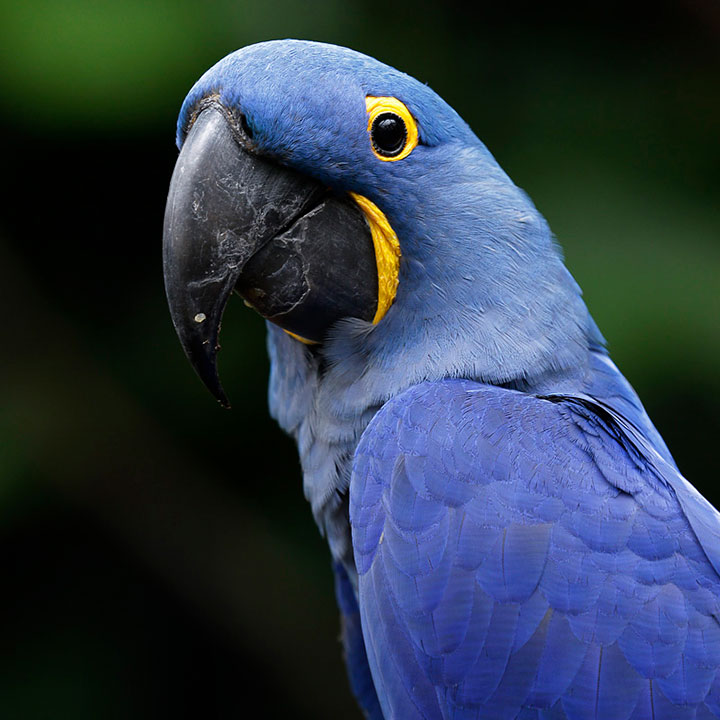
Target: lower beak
{"x": 300, "y": 255}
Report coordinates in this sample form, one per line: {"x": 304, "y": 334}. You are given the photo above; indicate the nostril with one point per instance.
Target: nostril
{"x": 246, "y": 125}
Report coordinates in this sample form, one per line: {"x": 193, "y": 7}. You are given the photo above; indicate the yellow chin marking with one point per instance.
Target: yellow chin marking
{"x": 387, "y": 254}
{"x": 387, "y": 258}
{"x": 303, "y": 340}
{"x": 377, "y": 106}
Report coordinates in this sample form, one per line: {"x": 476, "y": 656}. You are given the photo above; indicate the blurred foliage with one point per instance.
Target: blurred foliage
{"x": 160, "y": 558}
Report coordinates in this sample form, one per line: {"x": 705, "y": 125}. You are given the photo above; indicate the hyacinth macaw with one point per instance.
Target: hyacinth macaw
{"x": 510, "y": 536}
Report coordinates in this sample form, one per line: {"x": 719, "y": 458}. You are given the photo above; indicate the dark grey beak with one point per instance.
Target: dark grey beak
{"x": 300, "y": 255}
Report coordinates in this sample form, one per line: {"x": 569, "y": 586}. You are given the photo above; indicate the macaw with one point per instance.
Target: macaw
{"x": 510, "y": 536}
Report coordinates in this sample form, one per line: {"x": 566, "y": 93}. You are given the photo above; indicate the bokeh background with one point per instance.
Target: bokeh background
{"x": 157, "y": 558}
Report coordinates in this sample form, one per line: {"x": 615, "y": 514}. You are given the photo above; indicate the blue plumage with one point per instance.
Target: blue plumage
{"x": 510, "y": 534}
{"x": 572, "y": 610}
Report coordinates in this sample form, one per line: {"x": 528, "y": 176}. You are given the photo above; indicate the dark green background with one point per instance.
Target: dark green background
{"x": 157, "y": 556}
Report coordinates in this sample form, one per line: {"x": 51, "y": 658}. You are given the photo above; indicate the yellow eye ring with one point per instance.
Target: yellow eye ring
{"x": 385, "y": 114}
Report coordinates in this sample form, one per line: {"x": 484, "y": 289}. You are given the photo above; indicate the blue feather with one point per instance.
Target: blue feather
{"x": 558, "y": 614}
{"x": 354, "y": 646}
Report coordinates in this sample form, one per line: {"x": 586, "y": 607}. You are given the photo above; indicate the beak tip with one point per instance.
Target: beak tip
{"x": 216, "y": 389}
{"x": 201, "y": 352}
{"x": 212, "y": 383}
{"x": 207, "y": 371}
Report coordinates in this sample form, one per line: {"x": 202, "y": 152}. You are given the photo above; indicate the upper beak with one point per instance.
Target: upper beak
{"x": 300, "y": 255}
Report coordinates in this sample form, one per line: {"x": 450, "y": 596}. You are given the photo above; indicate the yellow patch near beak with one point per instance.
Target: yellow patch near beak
{"x": 387, "y": 254}
{"x": 300, "y": 338}
{"x": 387, "y": 257}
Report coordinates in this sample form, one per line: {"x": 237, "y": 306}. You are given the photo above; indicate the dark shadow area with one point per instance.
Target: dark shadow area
{"x": 129, "y": 648}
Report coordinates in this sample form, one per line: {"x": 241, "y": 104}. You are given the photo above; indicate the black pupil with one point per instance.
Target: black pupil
{"x": 388, "y": 134}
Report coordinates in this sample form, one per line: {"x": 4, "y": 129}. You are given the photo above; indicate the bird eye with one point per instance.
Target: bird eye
{"x": 393, "y": 130}
{"x": 388, "y": 134}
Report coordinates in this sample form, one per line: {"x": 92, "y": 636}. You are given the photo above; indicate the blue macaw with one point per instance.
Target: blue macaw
{"x": 511, "y": 537}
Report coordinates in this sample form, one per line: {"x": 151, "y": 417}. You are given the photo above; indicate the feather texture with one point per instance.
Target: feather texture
{"x": 532, "y": 555}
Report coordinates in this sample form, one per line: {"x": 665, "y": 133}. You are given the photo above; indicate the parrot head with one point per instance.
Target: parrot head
{"x": 354, "y": 209}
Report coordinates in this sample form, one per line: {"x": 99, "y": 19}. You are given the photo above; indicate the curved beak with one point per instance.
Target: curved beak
{"x": 301, "y": 256}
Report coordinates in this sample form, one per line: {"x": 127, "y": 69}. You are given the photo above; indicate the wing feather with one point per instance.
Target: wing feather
{"x": 529, "y": 557}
